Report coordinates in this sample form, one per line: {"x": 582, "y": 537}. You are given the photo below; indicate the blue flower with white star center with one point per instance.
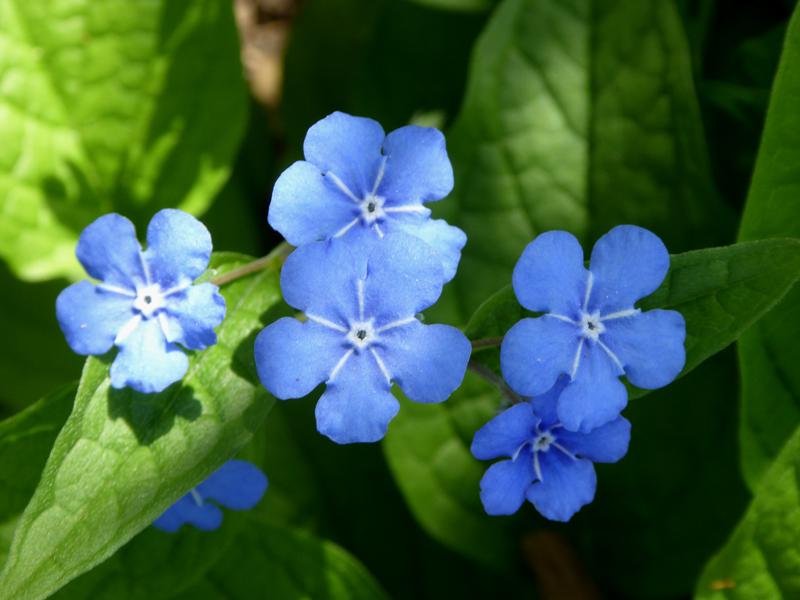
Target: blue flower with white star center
{"x": 357, "y": 182}
{"x": 144, "y": 302}
{"x": 547, "y": 464}
{"x": 361, "y": 334}
{"x": 591, "y": 329}
{"x": 237, "y": 485}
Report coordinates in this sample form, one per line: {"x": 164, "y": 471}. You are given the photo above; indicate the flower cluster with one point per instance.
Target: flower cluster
{"x": 369, "y": 260}
{"x": 145, "y": 302}
{"x": 237, "y": 485}
{"x": 570, "y": 360}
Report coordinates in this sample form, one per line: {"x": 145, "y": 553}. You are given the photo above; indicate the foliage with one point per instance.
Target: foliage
{"x": 558, "y": 114}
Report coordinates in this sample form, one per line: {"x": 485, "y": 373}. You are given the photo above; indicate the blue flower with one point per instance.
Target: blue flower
{"x": 591, "y": 329}
{"x": 548, "y": 464}
{"x": 358, "y": 182}
{"x": 237, "y": 485}
{"x": 361, "y": 335}
{"x": 144, "y": 303}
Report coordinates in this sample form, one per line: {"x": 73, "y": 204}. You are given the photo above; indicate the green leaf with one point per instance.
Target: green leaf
{"x": 106, "y": 108}
{"x": 273, "y": 562}
{"x": 579, "y": 115}
{"x": 123, "y": 457}
{"x": 760, "y": 560}
{"x": 25, "y": 442}
{"x": 36, "y": 358}
{"x": 369, "y": 66}
{"x": 458, "y": 5}
{"x": 719, "y": 291}
{"x": 661, "y": 511}
{"x": 427, "y": 448}
{"x": 155, "y": 565}
{"x": 770, "y": 352}
{"x": 346, "y": 494}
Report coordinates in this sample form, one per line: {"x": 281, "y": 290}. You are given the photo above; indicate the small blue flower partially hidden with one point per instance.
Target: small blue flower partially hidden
{"x": 237, "y": 485}
{"x": 361, "y": 334}
{"x": 591, "y": 329}
{"x": 549, "y": 465}
{"x": 144, "y": 303}
{"x": 357, "y": 182}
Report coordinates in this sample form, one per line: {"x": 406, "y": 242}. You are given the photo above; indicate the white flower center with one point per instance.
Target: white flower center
{"x": 149, "y": 299}
{"x": 372, "y": 209}
{"x": 543, "y": 441}
{"x": 361, "y": 334}
{"x": 591, "y": 326}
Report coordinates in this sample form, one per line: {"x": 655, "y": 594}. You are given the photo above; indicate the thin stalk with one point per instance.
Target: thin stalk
{"x": 277, "y": 255}
{"x": 492, "y": 342}
{"x": 495, "y": 380}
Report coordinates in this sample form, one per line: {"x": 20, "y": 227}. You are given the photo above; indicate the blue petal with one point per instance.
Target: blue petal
{"x": 628, "y": 263}
{"x": 193, "y": 314}
{"x": 445, "y": 239}
{"x": 90, "y": 317}
{"x": 237, "y": 485}
{"x": 566, "y": 486}
{"x": 178, "y": 248}
{"x": 321, "y": 279}
{"x": 650, "y": 345}
{"x": 357, "y": 405}
{"x": 505, "y": 433}
{"x": 349, "y": 147}
{"x": 428, "y": 362}
{"x": 545, "y": 406}
{"x": 535, "y": 352}
{"x": 206, "y": 517}
{"x": 608, "y": 443}
{"x": 417, "y": 167}
{"x": 504, "y": 484}
{"x": 109, "y": 251}
{"x": 146, "y": 361}
{"x": 549, "y": 276}
{"x": 292, "y": 358}
{"x": 307, "y": 207}
{"x": 404, "y": 277}
{"x": 595, "y": 396}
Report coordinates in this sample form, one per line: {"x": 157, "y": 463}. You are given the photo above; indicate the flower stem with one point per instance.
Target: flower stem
{"x": 278, "y": 255}
{"x": 492, "y": 342}
{"x": 496, "y": 380}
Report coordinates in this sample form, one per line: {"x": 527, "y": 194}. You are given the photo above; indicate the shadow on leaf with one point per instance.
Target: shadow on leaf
{"x": 151, "y": 416}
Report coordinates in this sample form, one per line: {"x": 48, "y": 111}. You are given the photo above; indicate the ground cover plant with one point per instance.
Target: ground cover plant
{"x": 368, "y": 299}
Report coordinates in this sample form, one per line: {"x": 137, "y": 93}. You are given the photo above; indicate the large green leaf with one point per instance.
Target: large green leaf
{"x": 104, "y": 107}
{"x": 760, "y": 561}
{"x": 273, "y": 562}
{"x": 661, "y": 511}
{"x": 123, "y": 457}
{"x": 346, "y": 494}
{"x": 427, "y": 448}
{"x": 458, "y": 5}
{"x": 25, "y": 442}
{"x": 35, "y": 358}
{"x": 367, "y": 65}
{"x": 719, "y": 291}
{"x": 155, "y": 565}
{"x": 770, "y": 352}
{"x": 579, "y": 115}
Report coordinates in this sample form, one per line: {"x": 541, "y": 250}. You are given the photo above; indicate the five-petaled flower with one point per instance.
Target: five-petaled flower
{"x": 591, "y": 329}
{"x": 357, "y": 183}
{"x": 144, "y": 303}
{"x": 361, "y": 334}
{"x": 237, "y": 485}
{"x": 548, "y": 464}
